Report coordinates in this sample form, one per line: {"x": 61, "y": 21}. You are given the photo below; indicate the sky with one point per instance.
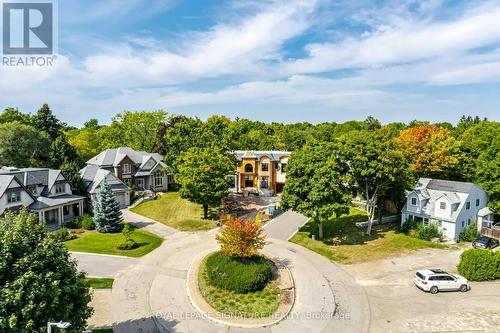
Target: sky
{"x": 285, "y": 61}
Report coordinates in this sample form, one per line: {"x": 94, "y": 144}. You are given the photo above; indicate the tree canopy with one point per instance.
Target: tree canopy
{"x": 39, "y": 281}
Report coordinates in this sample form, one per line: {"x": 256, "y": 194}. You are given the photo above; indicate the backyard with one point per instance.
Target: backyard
{"x": 352, "y": 245}
{"x": 107, "y": 243}
{"x": 173, "y": 211}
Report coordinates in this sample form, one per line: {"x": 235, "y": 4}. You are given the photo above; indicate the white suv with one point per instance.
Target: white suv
{"x": 435, "y": 280}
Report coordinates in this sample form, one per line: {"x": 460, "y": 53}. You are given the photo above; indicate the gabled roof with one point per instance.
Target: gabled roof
{"x": 450, "y": 186}
{"x": 113, "y": 157}
{"x": 93, "y": 176}
{"x": 6, "y": 180}
{"x": 34, "y": 176}
{"x": 451, "y": 197}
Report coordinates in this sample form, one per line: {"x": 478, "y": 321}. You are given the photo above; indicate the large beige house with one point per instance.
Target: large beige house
{"x": 261, "y": 172}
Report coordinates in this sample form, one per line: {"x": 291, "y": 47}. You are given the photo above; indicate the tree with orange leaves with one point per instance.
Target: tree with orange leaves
{"x": 430, "y": 151}
{"x": 241, "y": 238}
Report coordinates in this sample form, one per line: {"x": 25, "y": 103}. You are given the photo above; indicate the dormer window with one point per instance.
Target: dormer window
{"x": 14, "y": 197}
{"x": 414, "y": 201}
{"x": 126, "y": 168}
{"x": 265, "y": 166}
{"x": 442, "y": 205}
{"x": 60, "y": 188}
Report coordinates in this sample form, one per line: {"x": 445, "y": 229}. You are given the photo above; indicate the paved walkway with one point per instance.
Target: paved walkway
{"x": 100, "y": 265}
{"x": 151, "y": 296}
{"x": 285, "y": 225}
{"x": 148, "y": 224}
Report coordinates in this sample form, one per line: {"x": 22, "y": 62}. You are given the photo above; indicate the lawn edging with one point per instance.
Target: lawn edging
{"x": 201, "y": 305}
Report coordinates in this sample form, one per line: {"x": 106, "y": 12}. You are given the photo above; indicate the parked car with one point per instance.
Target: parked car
{"x": 483, "y": 242}
{"x": 436, "y": 280}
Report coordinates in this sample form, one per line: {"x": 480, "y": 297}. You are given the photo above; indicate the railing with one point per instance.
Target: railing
{"x": 493, "y": 232}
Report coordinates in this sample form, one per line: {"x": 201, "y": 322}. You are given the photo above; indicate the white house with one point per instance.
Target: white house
{"x": 451, "y": 205}
{"x": 41, "y": 190}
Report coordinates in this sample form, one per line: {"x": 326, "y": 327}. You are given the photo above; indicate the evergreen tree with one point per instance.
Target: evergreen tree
{"x": 107, "y": 214}
{"x": 45, "y": 120}
{"x": 61, "y": 152}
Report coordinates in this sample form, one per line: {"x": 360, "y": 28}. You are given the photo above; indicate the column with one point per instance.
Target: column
{"x": 40, "y": 216}
{"x": 80, "y": 207}
{"x": 61, "y": 216}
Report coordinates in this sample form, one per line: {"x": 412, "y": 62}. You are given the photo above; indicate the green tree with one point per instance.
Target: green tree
{"x": 315, "y": 184}
{"x": 45, "y": 120}
{"x": 12, "y": 114}
{"x": 39, "y": 281}
{"x": 61, "y": 151}
{"x": 107, "y": 214}
{"x": 71, "y": 171}
{"x": 374, "y": 166}
{"x": 203, "y": 176}
{"x": 481, "y": 145}
{"x": 91, "y": 123}
{"x": 22, "y": 145}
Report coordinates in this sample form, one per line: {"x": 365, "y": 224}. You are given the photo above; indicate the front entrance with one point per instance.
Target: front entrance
{"x": 279, "y": 187}
{"x": 140, "y": 183}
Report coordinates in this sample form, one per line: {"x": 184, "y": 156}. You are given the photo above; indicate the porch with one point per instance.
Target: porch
{"x": 489, "y": 229}
{"x": 55, "y": 211}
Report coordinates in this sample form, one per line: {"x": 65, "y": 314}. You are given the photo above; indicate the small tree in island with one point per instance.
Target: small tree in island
{"x": 203, "y": 176}
{"x": 107, "y": 214}
{"x": 241, "y": 239}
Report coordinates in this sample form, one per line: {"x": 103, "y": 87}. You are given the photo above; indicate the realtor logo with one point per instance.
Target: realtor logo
{"x": 27, "y": 27}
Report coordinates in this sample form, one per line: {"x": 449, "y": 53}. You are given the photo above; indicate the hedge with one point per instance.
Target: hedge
{"x": 479, "y": 264}
{"x": 241, "y": 275}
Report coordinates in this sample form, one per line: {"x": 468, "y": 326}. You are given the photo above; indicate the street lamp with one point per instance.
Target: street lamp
{"x": 60, "y": 324}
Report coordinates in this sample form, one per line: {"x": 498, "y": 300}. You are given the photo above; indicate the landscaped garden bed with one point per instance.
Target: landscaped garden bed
{"x": 249, "y": 288}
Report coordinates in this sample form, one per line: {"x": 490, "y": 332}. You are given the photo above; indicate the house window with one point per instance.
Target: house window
{"x": 276, "y": 166}
{"x": 442, "y": 205}
{"x": 126, "y": 168}
{"x": 283, "y": 167}
{"x": 158, "y": 179}
{"x": 414, "y": 201}
{"x": 170, "y": 179}
{"x": 463, "y": 224}
{"x": 60, "y": 188}
{"x": 14, "y": 197}
{"x": 264, "y": 182}
{"x": 248, "y": 181}
{"x": 66, "y": 210}
{"x": 248, "y": 167}
{"x": 468, "y": 221}
{"x": 265, "y": 166}
{"x": 467, "y": 205}
{"x": 477, "y": 202}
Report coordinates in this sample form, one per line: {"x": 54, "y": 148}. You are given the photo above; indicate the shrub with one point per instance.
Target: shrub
{"x": 241, "y": 238}
{"x": 74, "y": 223}
{"x": 410, "y": 224}
{"x": 241, "y": 275}
{"x": 62, "y": 234}
{"x": 127, "y": 232}
{"x": 428, "y": 232}
{"x": 87, "y": 222}
{"x": 479, "y": 265}
{"x": 128, "y": 245}
{"x": 469, "y": 233}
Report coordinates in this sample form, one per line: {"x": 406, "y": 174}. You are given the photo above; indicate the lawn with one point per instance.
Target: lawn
{"x": 353, "y": 245}
{"x": 100, "y": 283}
{"x": 170, "y": 209}
{"x": 257, "y": 304}
{"x": 107, "y": 243}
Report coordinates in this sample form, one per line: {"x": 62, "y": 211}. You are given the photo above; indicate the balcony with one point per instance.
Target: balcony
{"x": 490, "y": 230}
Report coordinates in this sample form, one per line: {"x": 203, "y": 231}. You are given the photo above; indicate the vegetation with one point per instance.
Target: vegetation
{"x": 469, "y": 233}
{"x": 99, "y": 283}
{"x": 129, "y": 243}
{"x": 347, "y": 244}
{"x": 315, "y": 184}
{"x": 108, "y": 243}
{"x": 479, "y": 265}
{"x": 107, "y": 214}
{"x": 241, "y": 275}
{"x": 38, "y": 280}
{"x": 241, "y": 238}
{"x": 203, "y": 175}
{"x": 170, "y": 209}
{"x": 261, "y": 303}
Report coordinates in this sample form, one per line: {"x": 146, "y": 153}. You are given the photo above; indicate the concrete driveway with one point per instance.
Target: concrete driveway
{"x": 285, "y": 225}
{"x": 396, "y": 305}
{"x": 151, "y": 295}
{"x": 101, "y": 265}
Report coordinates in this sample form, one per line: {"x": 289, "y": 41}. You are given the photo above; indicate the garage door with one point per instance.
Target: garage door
{"x": 120, "y": 197}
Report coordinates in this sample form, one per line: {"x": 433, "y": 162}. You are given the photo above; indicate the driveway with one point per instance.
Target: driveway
{"x": 101, "y": 265}
{"x": 396, "y": 305}
{"x": 151, "y": 295}
{"x": 285, "y": 225}
{"x": 148, "y": 224}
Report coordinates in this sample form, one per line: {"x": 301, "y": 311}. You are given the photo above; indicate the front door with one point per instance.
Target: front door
{"x": 140, "y": 183}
